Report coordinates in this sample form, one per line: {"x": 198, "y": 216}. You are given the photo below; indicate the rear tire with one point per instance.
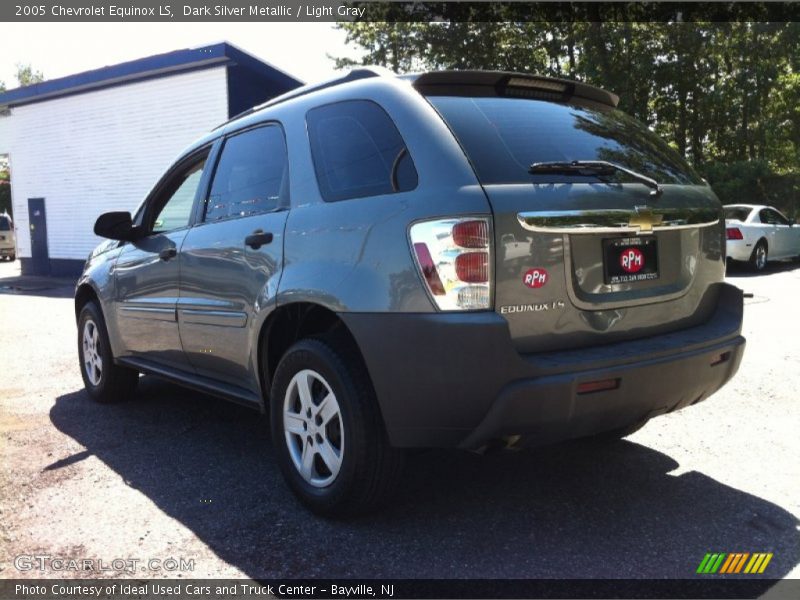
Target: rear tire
{"x": 758, "y": 259}
{"x": 104, "y": 381}
{"x": 328, "y": 432}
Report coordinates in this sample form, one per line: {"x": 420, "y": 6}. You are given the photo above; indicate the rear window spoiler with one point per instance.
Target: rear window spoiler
{"x": 507, "y": 84}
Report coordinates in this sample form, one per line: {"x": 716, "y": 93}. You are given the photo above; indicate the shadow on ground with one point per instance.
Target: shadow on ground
{"x": 33, "y": 285}
{"x": 576, "y": 509}
{"x": 736, "y": 269}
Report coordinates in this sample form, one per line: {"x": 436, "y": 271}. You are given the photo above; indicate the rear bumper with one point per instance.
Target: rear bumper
{"x": 550, "y": 409}
{"x": 738, "y": 250}
{"x": 455, "y": 380}
{"x": 8, "y": 251}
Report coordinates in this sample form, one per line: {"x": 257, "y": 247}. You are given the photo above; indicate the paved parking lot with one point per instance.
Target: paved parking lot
{"x": 175, "y": 474}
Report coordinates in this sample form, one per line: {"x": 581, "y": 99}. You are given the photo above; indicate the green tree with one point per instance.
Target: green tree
{"x": 725, "y": 95}
{"x": 5, "y": 189}
{"x": 27, "y": 75}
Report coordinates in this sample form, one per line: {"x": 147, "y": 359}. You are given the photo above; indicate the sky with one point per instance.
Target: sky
{"x": 59, "y": 49}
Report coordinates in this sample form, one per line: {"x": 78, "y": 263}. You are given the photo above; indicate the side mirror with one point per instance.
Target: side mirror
{"x": 116, "y": 226}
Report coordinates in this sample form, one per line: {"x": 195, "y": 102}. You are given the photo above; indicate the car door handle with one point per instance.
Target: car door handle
{"x": 258, "y": 238}
{"x": 167, "y": 253}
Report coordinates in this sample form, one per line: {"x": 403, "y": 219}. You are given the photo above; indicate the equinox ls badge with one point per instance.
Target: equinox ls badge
{"x": 540, "y": 307}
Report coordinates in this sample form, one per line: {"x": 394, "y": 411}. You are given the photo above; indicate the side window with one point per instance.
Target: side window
{"x": 252, "y": 175}
{"x": 778, "y": 218}
{"x": 357, "y": 151}
{"x": 768, "y": 217}
{"x": 175, "y": 209}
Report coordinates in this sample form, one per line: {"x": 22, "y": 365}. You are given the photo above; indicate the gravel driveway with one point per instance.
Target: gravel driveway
{"x": 180, "y": 475}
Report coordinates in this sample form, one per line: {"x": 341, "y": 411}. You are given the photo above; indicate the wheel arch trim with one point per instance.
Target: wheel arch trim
{"x": 309, "y": 318}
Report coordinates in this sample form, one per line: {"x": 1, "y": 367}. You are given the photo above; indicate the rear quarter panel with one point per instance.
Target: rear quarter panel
{"x": 354, "y": 255}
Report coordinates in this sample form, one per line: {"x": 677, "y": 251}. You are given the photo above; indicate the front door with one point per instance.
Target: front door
{"x": 783, "y": 236}
{"x": 147, "y": 271}
{"x": 232, "y": 261}
{"x": 37, "y": 219}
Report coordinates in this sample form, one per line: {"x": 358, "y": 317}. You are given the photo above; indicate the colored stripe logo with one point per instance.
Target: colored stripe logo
{"x": 735, "y": 562}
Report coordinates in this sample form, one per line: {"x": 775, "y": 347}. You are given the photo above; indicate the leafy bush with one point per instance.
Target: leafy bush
{"x": 754, "y": 182}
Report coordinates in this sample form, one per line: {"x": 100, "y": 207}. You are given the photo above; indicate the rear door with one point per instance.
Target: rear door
{"x": 231, "y": 261}
{"x": 585, "y": 258}
{"x": 783, "y": 234}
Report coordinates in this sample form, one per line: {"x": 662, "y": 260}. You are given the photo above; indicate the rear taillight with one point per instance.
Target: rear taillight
{"x": 454, "y": 257}
{"x": 429, "y": 269}
{"x": 473, "y": 267}
{"x": 733, "y": 233}
{"x": 471, "y": 234}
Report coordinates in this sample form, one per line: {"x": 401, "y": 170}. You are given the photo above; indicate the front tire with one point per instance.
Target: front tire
{"x": 104, "y": 381}
{"x": 758, "y": 259}
{"x": 327, "y": 430}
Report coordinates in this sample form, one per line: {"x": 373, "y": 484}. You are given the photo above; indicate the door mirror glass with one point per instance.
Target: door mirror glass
{"x": 116, "y": 226}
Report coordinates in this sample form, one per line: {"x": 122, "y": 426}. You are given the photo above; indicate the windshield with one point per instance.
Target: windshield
{"x": 5, "y": 225}
{"x": 504, "y": 136}
{"x": 737, "y": 213}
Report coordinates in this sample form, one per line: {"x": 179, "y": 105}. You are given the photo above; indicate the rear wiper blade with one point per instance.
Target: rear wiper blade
{"x": 591, "y": 167}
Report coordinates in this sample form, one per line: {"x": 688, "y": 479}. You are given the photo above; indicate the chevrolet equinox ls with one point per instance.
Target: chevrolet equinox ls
{"x": 452, "y": 259}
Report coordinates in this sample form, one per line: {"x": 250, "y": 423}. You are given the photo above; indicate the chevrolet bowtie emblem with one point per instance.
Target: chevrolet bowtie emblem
{"x": 645, "y": 219}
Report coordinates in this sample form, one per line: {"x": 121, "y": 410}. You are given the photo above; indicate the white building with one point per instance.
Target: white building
{"x": 97, "y": 141}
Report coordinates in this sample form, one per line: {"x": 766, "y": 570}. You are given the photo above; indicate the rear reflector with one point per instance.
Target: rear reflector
{"x": 598, "y": 386}
{"x": 429, "y": 269}
{"x": 720, "y": 358}
{"x": 733, "y": 233}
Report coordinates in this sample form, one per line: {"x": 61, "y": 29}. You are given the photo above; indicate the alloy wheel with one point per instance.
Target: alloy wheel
{"x": 761, "y": 257}
{"x": 92, "y": 361}
{"x": 312, "y": 425}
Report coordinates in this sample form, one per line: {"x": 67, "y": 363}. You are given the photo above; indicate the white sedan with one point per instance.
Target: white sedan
{"x": 757, "y": 233}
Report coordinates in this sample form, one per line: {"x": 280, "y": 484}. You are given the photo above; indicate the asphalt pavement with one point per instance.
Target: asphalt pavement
{"x": 176, "y": 474}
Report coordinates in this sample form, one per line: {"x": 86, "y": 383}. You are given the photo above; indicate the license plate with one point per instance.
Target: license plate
{"x": 630, "y": 259}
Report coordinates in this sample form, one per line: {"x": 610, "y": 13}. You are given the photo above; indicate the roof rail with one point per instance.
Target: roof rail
{"x": 352, "y": 75}
{"x": 506, "y": 83}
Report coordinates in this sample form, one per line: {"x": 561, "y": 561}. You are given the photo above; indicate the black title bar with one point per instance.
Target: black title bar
{"x": 397, "y": 11}
{"x": 707, "y": 586}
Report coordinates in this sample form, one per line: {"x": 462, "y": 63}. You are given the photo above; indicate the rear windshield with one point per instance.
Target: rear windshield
{"x": 737, "y": 213}
{"x": 5, "y": 225}
{"x": 504, "y": 136}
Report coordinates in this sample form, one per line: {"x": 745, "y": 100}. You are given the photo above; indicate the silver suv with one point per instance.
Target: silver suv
{"x": 453, "y": 259}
